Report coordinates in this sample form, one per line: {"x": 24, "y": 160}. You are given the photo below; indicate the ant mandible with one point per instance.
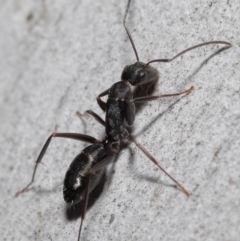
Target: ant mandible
{"x": 86, "y": 169}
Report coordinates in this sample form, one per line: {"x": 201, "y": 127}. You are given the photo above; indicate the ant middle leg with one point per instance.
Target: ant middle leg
{"x": 75, "y": 136}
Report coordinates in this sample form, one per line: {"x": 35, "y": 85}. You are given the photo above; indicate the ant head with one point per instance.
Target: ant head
{"x": 139, "y": 73}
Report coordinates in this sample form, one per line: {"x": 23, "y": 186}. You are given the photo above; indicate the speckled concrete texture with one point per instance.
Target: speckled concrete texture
{"x": 57, "y": 56}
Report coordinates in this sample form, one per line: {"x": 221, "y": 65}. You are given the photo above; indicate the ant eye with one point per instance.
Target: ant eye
{"x": 142, "y": 74}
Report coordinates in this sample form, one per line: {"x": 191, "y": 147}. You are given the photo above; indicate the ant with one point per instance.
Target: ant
{"x": 86, "y": 169}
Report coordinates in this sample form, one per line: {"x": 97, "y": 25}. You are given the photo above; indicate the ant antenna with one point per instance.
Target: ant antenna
{"x": 128, "y": 33}
{"x": 191, "y": 48}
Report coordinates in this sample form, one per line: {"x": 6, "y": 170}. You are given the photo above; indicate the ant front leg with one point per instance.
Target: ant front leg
{"x": 93, "y": 114}
{"x": 75, "y": 136}
{"x": 156, "y": 97}
{"x": 102, "y": 104}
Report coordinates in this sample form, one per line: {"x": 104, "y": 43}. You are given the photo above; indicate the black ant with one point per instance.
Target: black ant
{"x": 86, "y": 169}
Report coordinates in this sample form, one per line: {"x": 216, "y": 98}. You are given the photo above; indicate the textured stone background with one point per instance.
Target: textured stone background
{"x": 57, "y": 56}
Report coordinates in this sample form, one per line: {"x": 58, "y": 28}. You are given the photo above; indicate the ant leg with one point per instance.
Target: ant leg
{"x": 101, "y": 103}
{"x": 130, "y": 138}
{"x": 75, "y": 136}
{"x": 229, "y": 45}
{"x": 85, "y": 203}
{"x": 156, "y": 97}
{"x": 93, "y": 114}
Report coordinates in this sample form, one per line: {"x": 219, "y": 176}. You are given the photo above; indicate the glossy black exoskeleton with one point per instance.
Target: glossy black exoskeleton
{"x": 86, "y": 169}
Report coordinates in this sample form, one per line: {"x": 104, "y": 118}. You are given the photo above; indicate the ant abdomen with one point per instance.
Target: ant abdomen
{"x": 76, "y": 176}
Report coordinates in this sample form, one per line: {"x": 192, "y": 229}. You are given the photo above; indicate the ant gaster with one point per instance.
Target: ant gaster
{"x": 85, "y": 170}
